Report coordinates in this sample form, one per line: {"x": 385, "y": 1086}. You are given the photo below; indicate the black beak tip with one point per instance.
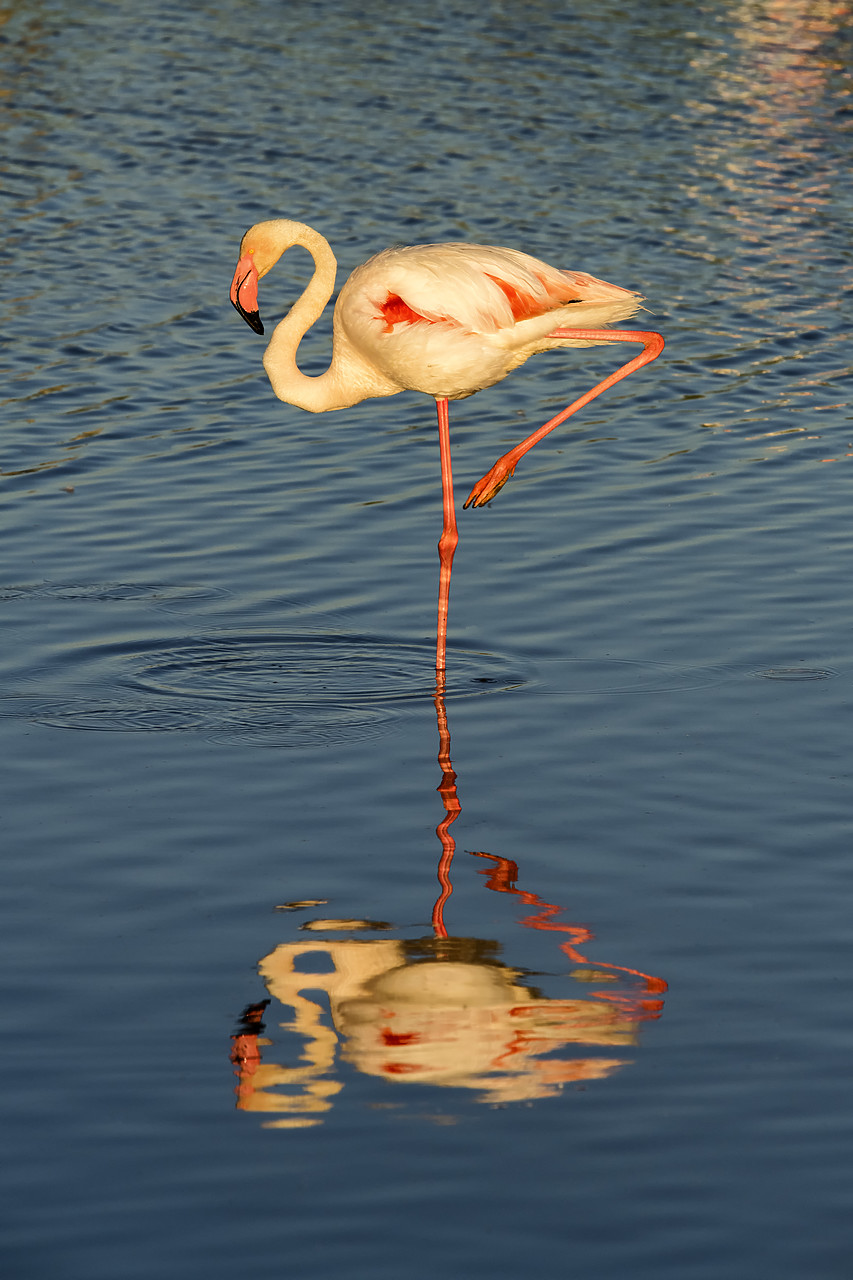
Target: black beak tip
{"x": 252, "y": 318}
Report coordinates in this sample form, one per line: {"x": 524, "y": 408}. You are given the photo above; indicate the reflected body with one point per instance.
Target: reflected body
{"x": 444, "y": 319}
{"x": 434, "y": 1012}
{"x": 441, "y": 1010}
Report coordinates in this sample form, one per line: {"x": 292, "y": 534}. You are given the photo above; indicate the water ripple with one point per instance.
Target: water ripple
{"x": 629, "y": 675}
{"x": 314, "y": 669}
{"x": 258, "y": 688}
{"x": 796, "y": 673}
{"x": 102, "y": 591}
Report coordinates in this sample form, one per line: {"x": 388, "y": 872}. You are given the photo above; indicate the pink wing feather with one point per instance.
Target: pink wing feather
{"x": 473, "y": 287}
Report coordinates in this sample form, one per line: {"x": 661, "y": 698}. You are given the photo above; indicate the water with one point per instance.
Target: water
{"x": 622, "y": 1042}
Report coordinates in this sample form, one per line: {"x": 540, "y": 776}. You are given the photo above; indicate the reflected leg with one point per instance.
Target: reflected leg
{"x": 452, "y": 810}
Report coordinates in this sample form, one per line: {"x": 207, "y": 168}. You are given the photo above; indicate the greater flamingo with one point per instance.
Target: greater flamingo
{"x": 445, "y": 319}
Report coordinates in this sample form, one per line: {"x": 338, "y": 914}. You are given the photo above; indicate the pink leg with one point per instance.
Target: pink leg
{"x": 447, "y": 542}
{"x": 493, "y": 481}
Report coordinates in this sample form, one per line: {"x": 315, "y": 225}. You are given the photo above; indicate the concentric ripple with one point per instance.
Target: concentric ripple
{"x": 94, "y": 714}
{"x": 314, "y": 670}
{"x": 262, "y": 689}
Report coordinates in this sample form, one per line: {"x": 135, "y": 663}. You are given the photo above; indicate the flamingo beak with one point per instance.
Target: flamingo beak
{"x": 244, "y": 292}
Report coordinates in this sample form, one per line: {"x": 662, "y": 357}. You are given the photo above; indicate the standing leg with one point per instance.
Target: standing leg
{"x": 447, "y": 542}
{"x": 494, "y": 480}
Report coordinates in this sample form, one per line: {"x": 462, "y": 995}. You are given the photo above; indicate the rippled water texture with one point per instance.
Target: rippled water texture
{"x": 306, "y": 971}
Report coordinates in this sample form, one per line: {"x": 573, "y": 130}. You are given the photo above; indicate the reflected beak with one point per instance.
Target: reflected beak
{"x": 244, "y": 292}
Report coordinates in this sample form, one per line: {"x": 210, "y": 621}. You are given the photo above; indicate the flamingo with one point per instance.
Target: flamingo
{"x": 444, "y": 319}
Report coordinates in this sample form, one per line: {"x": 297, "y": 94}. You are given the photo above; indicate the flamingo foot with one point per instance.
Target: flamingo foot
{"x": 491, "y": 484}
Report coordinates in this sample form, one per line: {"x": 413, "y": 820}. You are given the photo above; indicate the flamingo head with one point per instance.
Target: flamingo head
{"x": 260, "y": 249}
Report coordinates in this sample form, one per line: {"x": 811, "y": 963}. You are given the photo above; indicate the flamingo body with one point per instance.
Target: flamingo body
{"x": 444, "y": 319}
{"x": 451, "y": 319}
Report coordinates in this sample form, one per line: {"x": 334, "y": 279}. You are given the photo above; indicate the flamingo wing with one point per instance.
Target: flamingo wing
{"x": 474, "y": 288}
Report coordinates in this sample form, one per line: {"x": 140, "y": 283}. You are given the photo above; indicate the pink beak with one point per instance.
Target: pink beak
{"x": 244, "y": 292}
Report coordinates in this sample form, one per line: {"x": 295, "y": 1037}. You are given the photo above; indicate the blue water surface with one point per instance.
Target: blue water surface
{"x": 306, "y": 972}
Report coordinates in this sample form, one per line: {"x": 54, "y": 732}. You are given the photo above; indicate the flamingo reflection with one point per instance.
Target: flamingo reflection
{"x": 440, "y": 1010}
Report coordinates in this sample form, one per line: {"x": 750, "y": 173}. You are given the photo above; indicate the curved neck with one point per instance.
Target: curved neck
{"x": 288, "y": 383}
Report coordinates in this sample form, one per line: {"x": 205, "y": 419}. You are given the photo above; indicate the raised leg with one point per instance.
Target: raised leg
{"x": 447, "y": 542}
{"x": 495, "y": 479}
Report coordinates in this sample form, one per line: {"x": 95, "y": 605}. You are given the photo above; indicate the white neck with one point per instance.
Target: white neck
{"x": 336, "y": 388}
